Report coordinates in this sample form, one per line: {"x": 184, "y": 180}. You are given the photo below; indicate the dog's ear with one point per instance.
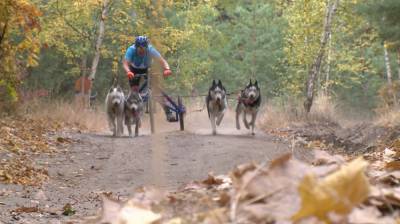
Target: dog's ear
{"x": 219, "y": 83}
{"x": 214, "y": 83}
{"x": 250, "y": 83}
{"x": 111, "y": 89}
{"x": 256, "y": 83}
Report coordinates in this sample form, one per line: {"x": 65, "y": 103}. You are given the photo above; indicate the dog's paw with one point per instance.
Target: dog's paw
{"x": 214, "y": 132}
{"x": 253, "y": 133}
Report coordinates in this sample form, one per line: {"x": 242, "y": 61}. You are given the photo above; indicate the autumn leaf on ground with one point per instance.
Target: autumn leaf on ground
{"x": 393, "y": 165}
{"x": 337, "y": 193}
{"x": 68, "y": 210}
{"x": 130, "y": 212}
{"x": 369, "y": 215}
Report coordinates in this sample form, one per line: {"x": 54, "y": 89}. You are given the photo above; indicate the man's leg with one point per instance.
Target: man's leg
{"x": 134, "y": 84}
{"x": 135, "y": 81}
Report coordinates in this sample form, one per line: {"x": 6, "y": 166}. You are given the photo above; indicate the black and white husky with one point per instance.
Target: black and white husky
{"x": 249, "y": 102}
{"x": 133, "y": 112}
{"x": 216, "y": 104}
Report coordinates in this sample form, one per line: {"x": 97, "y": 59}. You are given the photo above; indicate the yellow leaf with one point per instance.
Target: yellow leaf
{"x": 339, "y": 192}
{"x": 175, "y": 221}
{"x": 136, "y": 215}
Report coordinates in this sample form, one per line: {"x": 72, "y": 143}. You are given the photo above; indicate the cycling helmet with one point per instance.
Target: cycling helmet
{"x": 141, "y": 41}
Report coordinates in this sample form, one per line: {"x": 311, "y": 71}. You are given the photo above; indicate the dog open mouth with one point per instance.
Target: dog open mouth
{"x": 134, "y": 109}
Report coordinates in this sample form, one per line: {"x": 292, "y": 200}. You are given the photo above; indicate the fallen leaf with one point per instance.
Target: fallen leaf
{"x": 369, "y": 215}
{"x": 388, "y": 155}
{"x": 133, "y": 214}
{"x": 223, "y": 199}
{"x": 212, "y": 180}
{"x": 216, "y": 216}
{"x": 128, "y": 213}
{"x": 324, "y": 158}
{"x": 26, "y": 210}
{"x": 280, "y": 161}
{"x": 393, "y": 165}
{"x": 339, "y": 192}
{"x": 392, "y": 178}
{"x": 391, "y": 196}
{"x": 174, "y": 221}
{"x": 275, "y": 186}
{"x": 242, "y": 169}
{"x": 68, "y": 210}
{"x": 257, "y": 213}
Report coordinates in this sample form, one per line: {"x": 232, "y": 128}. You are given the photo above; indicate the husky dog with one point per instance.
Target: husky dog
{"x": 249, "y": 102}
{"x": 216, "y": 104}
{"x": 133, "y": 111}
{"x": 115, "y": 110}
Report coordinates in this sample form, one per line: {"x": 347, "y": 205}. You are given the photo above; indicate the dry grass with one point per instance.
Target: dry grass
{"x": 324, "y": 110}
{"x": 387, "y": 117}
{"x": 66, "y": 112}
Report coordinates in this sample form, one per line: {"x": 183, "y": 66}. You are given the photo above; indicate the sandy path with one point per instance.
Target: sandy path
{"x": 168, "y": 159}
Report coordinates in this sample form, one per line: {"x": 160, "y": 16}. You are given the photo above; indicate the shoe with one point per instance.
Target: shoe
{"x": 171, "y": 117}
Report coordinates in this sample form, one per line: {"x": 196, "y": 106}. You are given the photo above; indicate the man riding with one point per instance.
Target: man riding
{"x": 138, "y": 59}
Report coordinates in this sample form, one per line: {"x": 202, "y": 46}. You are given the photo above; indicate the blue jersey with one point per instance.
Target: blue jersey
{"x": 141, "y": 62}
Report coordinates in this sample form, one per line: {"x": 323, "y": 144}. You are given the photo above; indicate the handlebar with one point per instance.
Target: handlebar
{"x": 149, "y": 73}
{"x": 140, "y": 75}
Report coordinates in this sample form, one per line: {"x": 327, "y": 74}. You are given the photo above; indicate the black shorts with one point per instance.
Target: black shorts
{"x": 136, "y": 80}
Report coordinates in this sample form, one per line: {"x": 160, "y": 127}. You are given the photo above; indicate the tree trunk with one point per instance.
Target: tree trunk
{"x": 3, "y": 32}
{"x": 389, "y": 74}
{"x": 83, "y": 73}
{"x": 328, "y": 65}
{"x": 316, "y": 66}
{"x": 387, "y": 64}
{"x": 398, "y": 63}
{"x": 99, "y": 42}
{"x": 81, "y": 98}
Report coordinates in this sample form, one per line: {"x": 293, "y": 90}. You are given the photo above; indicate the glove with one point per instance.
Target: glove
{"x": 167, "y": 73}
{"x": 130, "y": 75}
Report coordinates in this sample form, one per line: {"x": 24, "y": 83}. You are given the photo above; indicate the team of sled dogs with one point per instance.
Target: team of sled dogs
{"x": 129, "y": 109}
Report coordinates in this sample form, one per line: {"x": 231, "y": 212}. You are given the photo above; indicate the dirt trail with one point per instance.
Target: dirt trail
{"x": 168, "y": 159}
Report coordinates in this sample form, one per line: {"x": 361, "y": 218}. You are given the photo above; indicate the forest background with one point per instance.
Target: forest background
{"x": 348, "y": 50}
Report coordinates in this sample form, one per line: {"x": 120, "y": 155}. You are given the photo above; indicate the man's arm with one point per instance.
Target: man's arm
{"x": 126, "y": 65}
{"x": 163, "y": 63}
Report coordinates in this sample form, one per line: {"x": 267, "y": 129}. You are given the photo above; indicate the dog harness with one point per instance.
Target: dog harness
{"x": 247, "y": 101}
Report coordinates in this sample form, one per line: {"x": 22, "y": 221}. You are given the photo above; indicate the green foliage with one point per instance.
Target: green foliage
{"x": 8, "y": 96}
{"x": 19, "y": 46}
{"x": 274, "y": 42}
{"x": 248, "y": 44}
{"x": 386, "y": 17}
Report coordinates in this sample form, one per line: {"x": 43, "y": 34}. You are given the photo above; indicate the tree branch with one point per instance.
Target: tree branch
{"x": 3, "y": 33}
{"x": 68, "y": 23}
